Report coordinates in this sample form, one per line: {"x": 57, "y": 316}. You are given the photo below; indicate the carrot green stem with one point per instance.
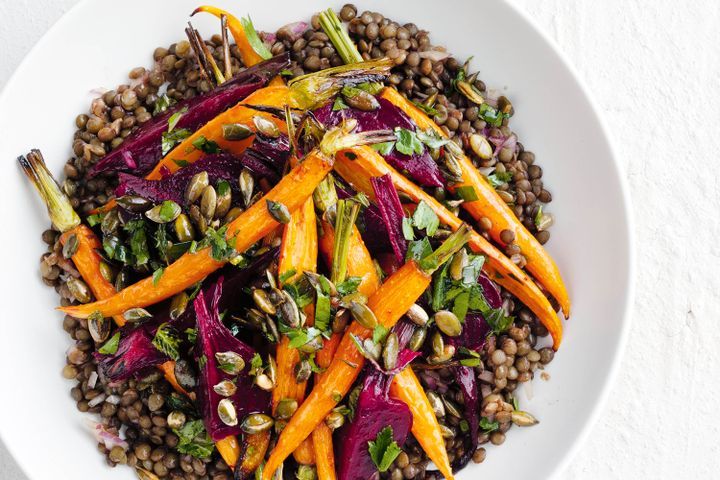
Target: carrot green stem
{"x": 226, "y": 46}
{"x": 347, "y": 212}
{"x": 325, "y": 196}
{"x": 445, "y": 251}
{"x": 58, "y": 205}
{"x": 339, "y": 37}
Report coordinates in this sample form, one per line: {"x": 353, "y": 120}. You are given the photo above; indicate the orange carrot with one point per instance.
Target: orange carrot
{"x": 248, "y": 54}
{"x": 256, "y": 446}
{"x": 425, "y": 427}
{"x": 241, "y": 113}
{"x": 490, "y": 205}
{"x": 324, "y": 453}
{"x": 248, "y": 228}
{"x": 229, "y": 450}
{"x": 360, "y": 164}
{"x": 389, "y": 303}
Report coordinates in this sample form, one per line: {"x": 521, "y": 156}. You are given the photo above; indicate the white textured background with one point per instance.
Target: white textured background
{"x": 654, "y": 69}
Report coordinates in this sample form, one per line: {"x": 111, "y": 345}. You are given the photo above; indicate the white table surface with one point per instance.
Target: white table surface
{"x": 654, "y": 70}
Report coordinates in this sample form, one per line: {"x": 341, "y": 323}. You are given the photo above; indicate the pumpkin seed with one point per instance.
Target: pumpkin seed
{"x": 264, "y": 382}
{"x": 178, "y": 305}
{"x": 260, "y": 297}
{"x": 145, "y": 474}
{"x": 447, "y": 432}
{"x": 270, "y": 275}
{"x": 107, "y": 272}
{"x": 459, "y": 261}
{"x": 390, "y": 351}
{"x": 451, "y": 408}
{"x": 224, "y": 199}
{"x": 271, "y": 370}
{"x": 176, "y": 419}
{"x": 417, "y": 315}
{"x": 256, "y": 423}
{"x": 447, "y": 354}
{"x": 208, "y": 202}
{"x": 134, "y": 203}
{"x": 266, "y": 127}
{"x": 278, "y": 211}
{"x": 166, "y": 212}
{"x": 247, "y": 184}
{"x": 185, "y": 374}
{"x": 363, "y": 315}
{"x": 436, "y": 403}
{"x": 340, "y": 320}
{"x": 110, "y": 222}
{"x": 303, "y": 370}
{"x": 197, "y": 219}
{"x": 286, "y": 408}
{"x": 227, "y": 413}
{"x": 362, "y": 100}
{"x": 523, "y": 419}
{"x": 470, "y": 92}
{"x": 136, "y": 315}
{"x": 438, "y": 344}
{"x": 289, "y": 311}
{"x": 544, "y": 221}
{"x": 417, "y": 339}
{"x": 195, "y": 186}
{"x": 122, "y": 280}
{"x": 230, "y": 362}
{"x": 448, "y": 323}
{"x": 99, "y": 327}
{"x": 232, "y": 214}
{"x": 184, "y": 228}
{"x": 334, "y": 420}
{"x": 311, "y": 346}
{"x": 225, "y": 388}
{"x": 236, "y": 131}
{"x": 79, "y": 290}
{"x": 481, "y": 146}
{"x": 504, "y": 105}
{"x": 371, "y": 349}
{"x": 453, "y": 166}
{"x": 71, "y": 246}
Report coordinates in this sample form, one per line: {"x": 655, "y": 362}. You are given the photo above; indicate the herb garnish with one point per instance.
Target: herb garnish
{"x": 384, "y": 450}
{"x": 194, "y": 440}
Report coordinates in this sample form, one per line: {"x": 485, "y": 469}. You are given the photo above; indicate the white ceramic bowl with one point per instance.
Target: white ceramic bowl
{"x": 98, "y": 42}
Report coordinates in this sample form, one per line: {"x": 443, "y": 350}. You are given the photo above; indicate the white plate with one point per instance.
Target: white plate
{"x": 98, "y": 42}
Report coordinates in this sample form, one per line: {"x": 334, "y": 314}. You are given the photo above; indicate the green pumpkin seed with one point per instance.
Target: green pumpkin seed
{"x": 481, "y": 146}
{"x": 271, "y": 370}
{"x": 166, "y": 212}
{"x": 256, "y": 423}
{"x": 453, "y": 166}
{"x": 122, "y": 280}
{"x": 184, "y": 228}
{"x": 390, "y": 351}
{"x": 208, "y": 202}
{"x": 260, "y": 297}
{"x": 451, "y": 408}
{"x": 470, "y": 92}
{"x": 362, "y": 100}
{"x": 417, "y": 315}
{"x": 459, "y": 261}
{"x": 225, "y": 388}
{"x": 303, "y": 370}
{"x": 544, "y": 221}
{"x": 278, "y": 211}
{"x": 195, "y": 186}
{"x": 505, "y": 106}
{"x": 312, "y": 345}
{"x": 447, "y": 432}
{"x": 286, "y": 408}
{"x": 417, "y": 339}
{"x": 99, "y": 327}
{"x": 371, "y": 349}
{"x": 224, "y": 199}
{"x": 133, "y": 203}
{"x": 232, "y": 214}
{"x": 438, "y": 344}
{"x": 227, "y": 413}
{"x": 523, "y": 419}
{"x": 446, "y": 355}
{"x": 436, "y": 403}
{"x": 79, "y": 290}
{"x": 145, "y": 474}
{"x": 198, "y": 220}
{"x": 236, "y": 131}
{"x": 107, "y": 272}
{"x": 136, "y": 315}
{"x": 71, "y": 246}
{"x": 334, "y": 420}
{"x": 178, "y": 305}
{"x": 363, "y": 315}
{"x": 110, "y": 222}
{"x": 448, "y": 323}
{"x": 288, "y": 311}
{"x": 176, "y": 419}
{"x": 230, "y": 362}
{"x": 264, "y": 382}
{"x": 247, "y": 184}
{"x": 266, "y": 127}
{"x": 340, "y": 320}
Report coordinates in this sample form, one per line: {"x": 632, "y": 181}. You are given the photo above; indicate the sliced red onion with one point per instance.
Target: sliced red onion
{"x": 107, "y": 438}
{"x": 268, "y": 38}
{"x": 113, "y": 400}
{"x": 434, "y": 55}
{"x": 486, "y": 376}
{"x": 292, "y": 31}
{"x": 128, "y": 158}
{"x": 92, "y": 380}
{"x": 97, "y": 400}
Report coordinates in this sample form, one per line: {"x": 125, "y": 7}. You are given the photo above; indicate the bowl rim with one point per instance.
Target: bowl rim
{"x": 618, "y": 170}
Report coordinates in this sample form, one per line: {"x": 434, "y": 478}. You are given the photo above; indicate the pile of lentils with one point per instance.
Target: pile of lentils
{"x": 140, "y": 406}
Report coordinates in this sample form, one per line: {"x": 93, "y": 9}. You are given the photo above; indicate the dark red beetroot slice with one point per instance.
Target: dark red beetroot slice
{"x": 391, "y": 212}
{"x": 142, "y": 149}
{"x": 421, "y": 168}
{"x": 374, "y": 411}
{"x": 213, "y": 337}
{"x": 466, "y": 380}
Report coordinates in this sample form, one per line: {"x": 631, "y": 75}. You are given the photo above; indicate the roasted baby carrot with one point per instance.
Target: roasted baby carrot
{"x": 256, "y": 446}
{"x": 360, "y": 164}
{"x": 252, "y": 225}
{"x": 241, "y": 114}
{"x": 490, "y": 205}
{"x": 229, "y": 450}
{"x": 324, "y": 453}
{"x": 390, "y": 302}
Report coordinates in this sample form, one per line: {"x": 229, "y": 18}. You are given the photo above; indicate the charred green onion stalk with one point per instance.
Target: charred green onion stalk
{"x": 330, "y": 23}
